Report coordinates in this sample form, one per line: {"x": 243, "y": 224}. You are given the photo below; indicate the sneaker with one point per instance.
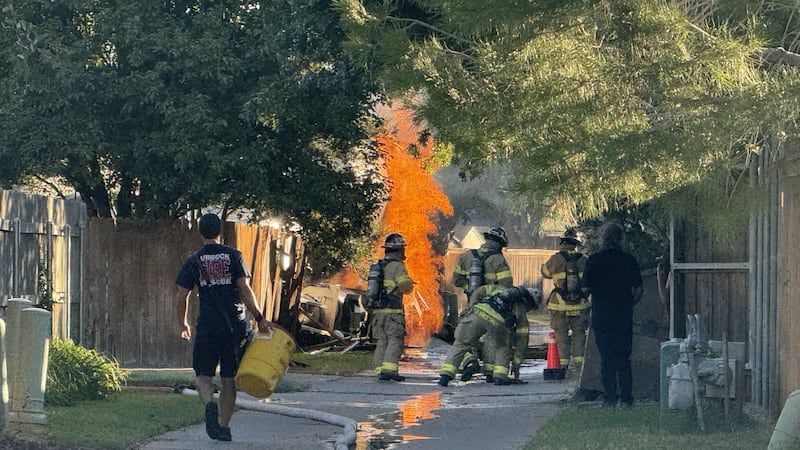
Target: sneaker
{"x": 224, "y": 434}
{"x": 391, "y": 377}
{"x": 212, "y": 420}
{"x": 444, "y": 380}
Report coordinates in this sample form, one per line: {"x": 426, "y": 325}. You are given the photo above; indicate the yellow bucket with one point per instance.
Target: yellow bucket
{"x": 265, "y": 362}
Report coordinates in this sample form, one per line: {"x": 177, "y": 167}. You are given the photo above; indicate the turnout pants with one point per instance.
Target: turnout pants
{"x": 564, "y": 321}
{"x": 614, "y": 345}
{"x": 481, "y": 321}
{"x": 389, "y": 330}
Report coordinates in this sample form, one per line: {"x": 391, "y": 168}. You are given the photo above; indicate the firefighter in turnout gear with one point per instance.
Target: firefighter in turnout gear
{"x": 519, "y": 335}
{"x": 487, "y": 265}
{"x": 388, "y": 281}
{"x": 496, "y": 317}
{"x": 474, "y": 269}
{"x": 568, "y": 303}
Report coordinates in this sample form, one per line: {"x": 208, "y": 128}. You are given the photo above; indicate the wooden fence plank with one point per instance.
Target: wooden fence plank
{"x": 788, "y": 339}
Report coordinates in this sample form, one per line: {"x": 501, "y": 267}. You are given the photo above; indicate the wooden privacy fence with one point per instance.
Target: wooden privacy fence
{"x": 786, "y": 343}
{"x": 131, "y": 270}
{"x": 750, "y": 290}
{"x": 41, "y": 253}
{"x": 710, "y": 280}
{"x": 525, "y": 266}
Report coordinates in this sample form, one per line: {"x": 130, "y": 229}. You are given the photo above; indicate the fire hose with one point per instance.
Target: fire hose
{"x": 343, "y": 441}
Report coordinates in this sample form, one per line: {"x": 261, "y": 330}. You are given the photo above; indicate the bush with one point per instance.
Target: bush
{"x": 76, "y": 373}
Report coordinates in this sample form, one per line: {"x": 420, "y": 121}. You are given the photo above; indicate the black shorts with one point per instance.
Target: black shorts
{"x": 210, "y": 350}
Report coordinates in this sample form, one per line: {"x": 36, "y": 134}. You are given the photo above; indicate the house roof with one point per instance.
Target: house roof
{"x": 460, "y": 233}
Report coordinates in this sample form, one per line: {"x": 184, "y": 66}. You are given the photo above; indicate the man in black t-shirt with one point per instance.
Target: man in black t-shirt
{"x": 615, "y": 282}
{"x": 220, "y": 275}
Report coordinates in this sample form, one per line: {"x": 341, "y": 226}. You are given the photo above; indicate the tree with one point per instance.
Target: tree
{"x": 154, "y": 109}
{"x": 594, "y": 104}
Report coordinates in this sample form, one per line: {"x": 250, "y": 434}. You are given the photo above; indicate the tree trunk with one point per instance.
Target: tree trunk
{"x": 89, "y": 183}
{"x": 125, "y": 197}
{"x": 101, "y": 200}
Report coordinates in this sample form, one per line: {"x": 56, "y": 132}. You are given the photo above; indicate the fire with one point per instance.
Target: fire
{"x": 414, "y": 199}
{"x": 349, "y": 278}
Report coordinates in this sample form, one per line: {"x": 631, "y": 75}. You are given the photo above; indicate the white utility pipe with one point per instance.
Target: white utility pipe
{"x": 343, "y": 442}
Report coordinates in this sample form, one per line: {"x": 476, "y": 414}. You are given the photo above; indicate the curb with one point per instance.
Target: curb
{"x": 343, "y": 442}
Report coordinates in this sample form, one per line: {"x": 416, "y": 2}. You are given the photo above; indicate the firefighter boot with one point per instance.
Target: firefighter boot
{"x": 500, "y": 381}
{"x": 470, "y": 369}
{"x": 391, "y": 376}
{"x": 444, "y": 380}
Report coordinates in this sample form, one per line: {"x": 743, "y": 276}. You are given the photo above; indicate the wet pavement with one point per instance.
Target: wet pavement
{"x": 416, "y": 414}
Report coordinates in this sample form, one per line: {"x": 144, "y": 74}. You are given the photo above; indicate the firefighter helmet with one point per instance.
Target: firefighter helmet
{"x": 570, "y": 237}
{"x": 531, "y": 296}
{"x": 394, "y": 241}
{"x": 498, "y": 234}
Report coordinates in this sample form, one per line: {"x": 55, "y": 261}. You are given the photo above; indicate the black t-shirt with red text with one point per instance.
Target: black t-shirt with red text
{"x": 214, "y": 269}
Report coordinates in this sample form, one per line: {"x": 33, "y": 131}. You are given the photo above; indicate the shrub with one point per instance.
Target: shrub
{"x": 76, "y": 373}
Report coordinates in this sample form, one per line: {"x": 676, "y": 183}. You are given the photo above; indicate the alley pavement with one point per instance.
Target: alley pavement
{"x": 416, "y": 414}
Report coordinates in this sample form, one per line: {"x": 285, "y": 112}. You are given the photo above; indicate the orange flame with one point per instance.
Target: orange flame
{"x": 414, "y": 200}
{"x": 349, "y": 278}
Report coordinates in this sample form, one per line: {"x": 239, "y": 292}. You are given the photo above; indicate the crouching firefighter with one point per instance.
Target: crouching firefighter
{"x": 388, "y": 281}
{"x": 568, "y": 303}
{"x": 520, "y": 332}
{"x": 494, "y": 317}
{"x": 476, "y": 269}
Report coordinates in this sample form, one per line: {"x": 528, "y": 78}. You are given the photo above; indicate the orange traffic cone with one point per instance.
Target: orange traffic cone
{"x": 553, "y": 370}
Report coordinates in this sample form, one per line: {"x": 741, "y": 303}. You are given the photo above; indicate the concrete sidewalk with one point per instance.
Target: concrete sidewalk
{"x": 416, "y": 413}
{"x": 252, "y": 430}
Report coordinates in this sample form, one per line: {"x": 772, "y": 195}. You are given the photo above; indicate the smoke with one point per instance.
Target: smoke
{"x": 488, "y": 201}
{"x": 349, "y": 278}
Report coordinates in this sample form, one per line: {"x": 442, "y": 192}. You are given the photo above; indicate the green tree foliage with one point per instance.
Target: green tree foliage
{"x": 594, "y": 104}
{"x": 152, "y": 109}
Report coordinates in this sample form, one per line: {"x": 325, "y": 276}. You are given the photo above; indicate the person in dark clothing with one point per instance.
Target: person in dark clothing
{"x": 220, "y": 275}
{"x": 614, "y": 280}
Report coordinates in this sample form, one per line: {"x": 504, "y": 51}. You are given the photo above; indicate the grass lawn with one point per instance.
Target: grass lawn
{"x": 170, "y": 377}
{"x": 124, "y": 420}
{"x": 132, "y": 416}
{"x": 334, "y": 363}
{"x": 638, "y": 428}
